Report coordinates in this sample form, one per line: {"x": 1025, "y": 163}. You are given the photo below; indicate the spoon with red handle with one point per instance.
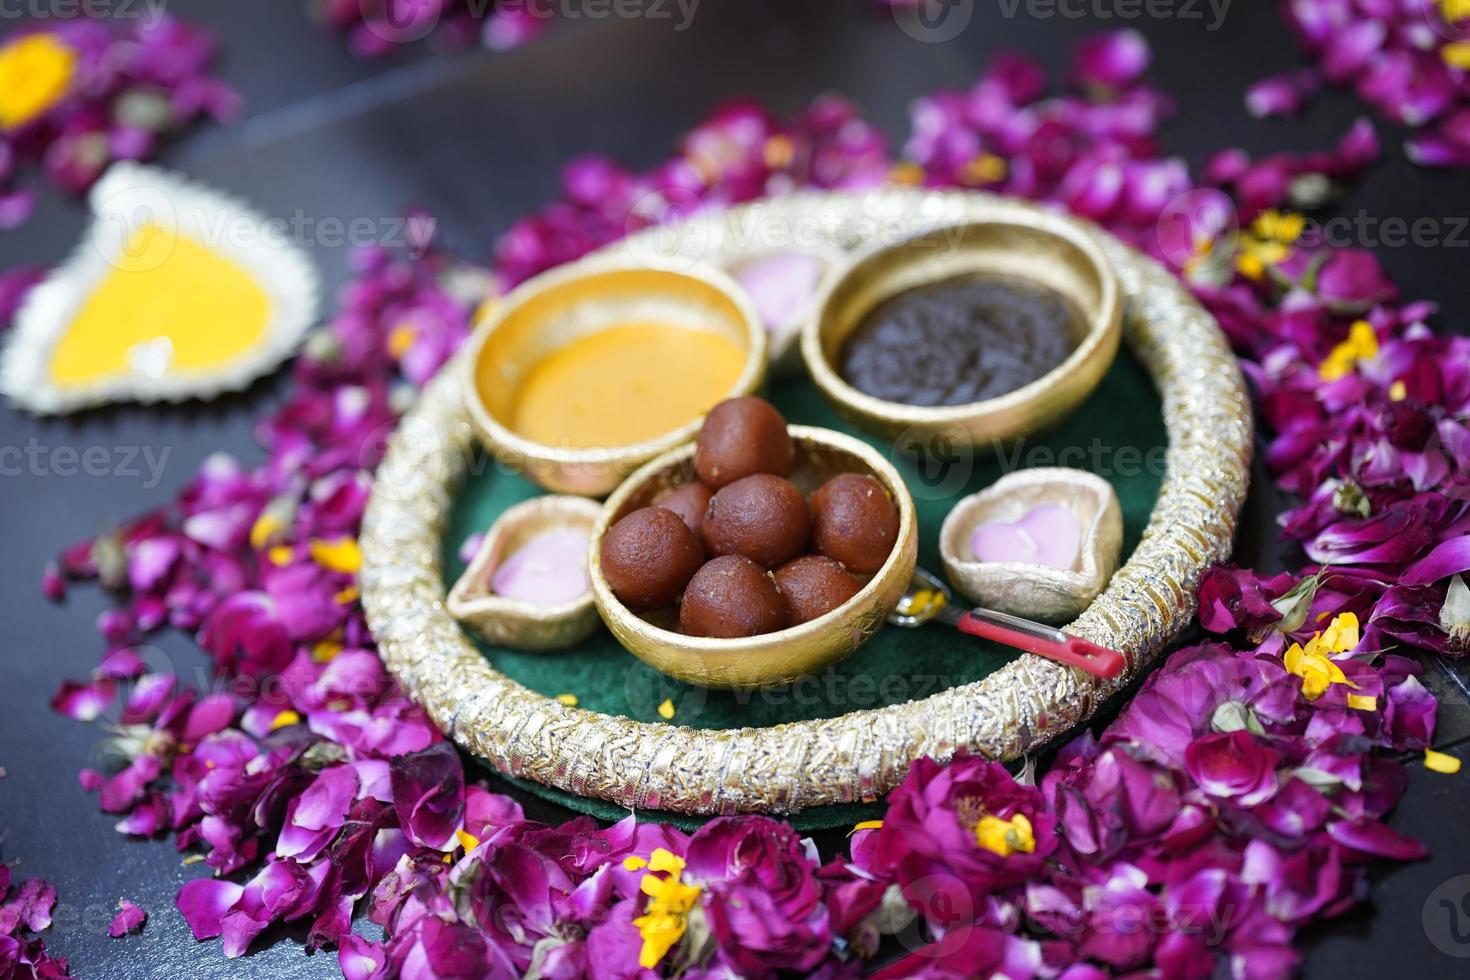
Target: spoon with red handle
{"x": 929, "y": 599}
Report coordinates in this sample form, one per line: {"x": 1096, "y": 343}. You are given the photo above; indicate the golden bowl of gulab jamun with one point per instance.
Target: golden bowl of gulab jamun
{"x": 760, "y": 553}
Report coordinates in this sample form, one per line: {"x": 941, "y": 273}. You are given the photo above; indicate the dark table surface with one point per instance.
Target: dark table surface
{"x": 478, "y": 138}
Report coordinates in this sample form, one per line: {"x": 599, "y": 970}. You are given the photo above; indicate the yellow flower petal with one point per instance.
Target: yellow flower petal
{"x": 1292, "y": 658}
{"x": 1250, "y": 266}
{"x": 659, "y": 933}
{"x": 1362, "y": 702}
{"x": 668, "y": 894}
{"x": 986, "y": 168}
{"x": 1361, "y": 345}
{"x": 1335, "y": 366}
{"x": 670, "y": 900}
{"x": 1363, "y": 338}
{"x": 400, "y": 340}
{"x": 665, "y": 860}
{"x": 346, "y": 595}
{"x": 1272, "y": 253}
{"x": 326, "y": 651}
{"x": 1313, "y": 666}
{"x": 467, "y": 841}
{"x": 666, "y": 709}
{"x": 778, "y": 152}
{"x": 634, "y": 863}
{"x": 907, "y": 173}
{"x": 990, "y": 833}
{"x": 1456, "y": 54}
{"x": 266, "y": 526}
{"x": 281, "y": 555}
{"x": 35, "y": 73}
{"x": 1342, "y": 633}
{"x": 1314, "y": 684}
{"x": 1005, "y": 837}
{"x": 1398, "y": 391}
{"x": 284, "y": 719}
{"x": 1279, "y": 227}
{"x": 1441, "y": 762}
{"x": 570, "y": 700}
{"x": 866, "y": 825}
{"x": 341, "y": 555}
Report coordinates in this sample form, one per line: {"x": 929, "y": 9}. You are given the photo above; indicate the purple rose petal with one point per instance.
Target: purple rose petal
{"x": 129, "y": 919}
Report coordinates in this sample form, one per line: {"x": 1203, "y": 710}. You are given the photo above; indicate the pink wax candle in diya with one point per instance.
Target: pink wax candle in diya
{"x": 527, "y": 586}
{"x": 549, "y": 569}
{"x": 1039, "y": 543}
{"x": 1049, "y": 534}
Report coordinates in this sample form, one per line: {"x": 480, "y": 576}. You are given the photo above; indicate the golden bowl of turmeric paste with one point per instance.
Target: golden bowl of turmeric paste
{"x": 586, "y": 372}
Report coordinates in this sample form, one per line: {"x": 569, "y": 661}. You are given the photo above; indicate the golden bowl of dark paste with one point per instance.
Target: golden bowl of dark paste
{"x": 585, "y": 373}
{"x": 978, "y": 332}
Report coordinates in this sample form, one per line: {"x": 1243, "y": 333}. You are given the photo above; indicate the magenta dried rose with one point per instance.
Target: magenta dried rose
{"x": 759, "y": 938}
{"x": 967, "y": 828}
{"x": 764, "y": 900}
{"x": 1233, "y": 766}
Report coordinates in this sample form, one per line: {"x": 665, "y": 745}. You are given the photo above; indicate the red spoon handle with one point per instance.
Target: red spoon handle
{"x": 1072, "y": 650}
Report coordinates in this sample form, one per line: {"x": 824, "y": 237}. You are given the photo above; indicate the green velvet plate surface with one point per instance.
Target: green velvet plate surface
{"x": 1118, "y": 433}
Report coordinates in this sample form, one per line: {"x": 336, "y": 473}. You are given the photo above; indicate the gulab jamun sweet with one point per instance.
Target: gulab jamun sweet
{"x": 812, "y": 586}
{"x": 731, "y": 596}
{"x": 649, "y": 556}
{"x": 688, "y": 501}
{"x": 740, "y": 437}
{"x": 762, "y": 517}
{"x": 854, "y": 521}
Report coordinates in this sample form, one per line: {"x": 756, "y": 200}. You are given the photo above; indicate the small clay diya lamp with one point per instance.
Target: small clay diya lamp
{"x": 527, "y": 586}
{"x": 1039, "y": 543}
{"x": 979, "y": 332}
{"x": 586, "y": 372}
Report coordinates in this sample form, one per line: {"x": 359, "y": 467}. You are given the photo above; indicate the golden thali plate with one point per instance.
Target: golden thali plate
{"x": 862, "y": 754}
